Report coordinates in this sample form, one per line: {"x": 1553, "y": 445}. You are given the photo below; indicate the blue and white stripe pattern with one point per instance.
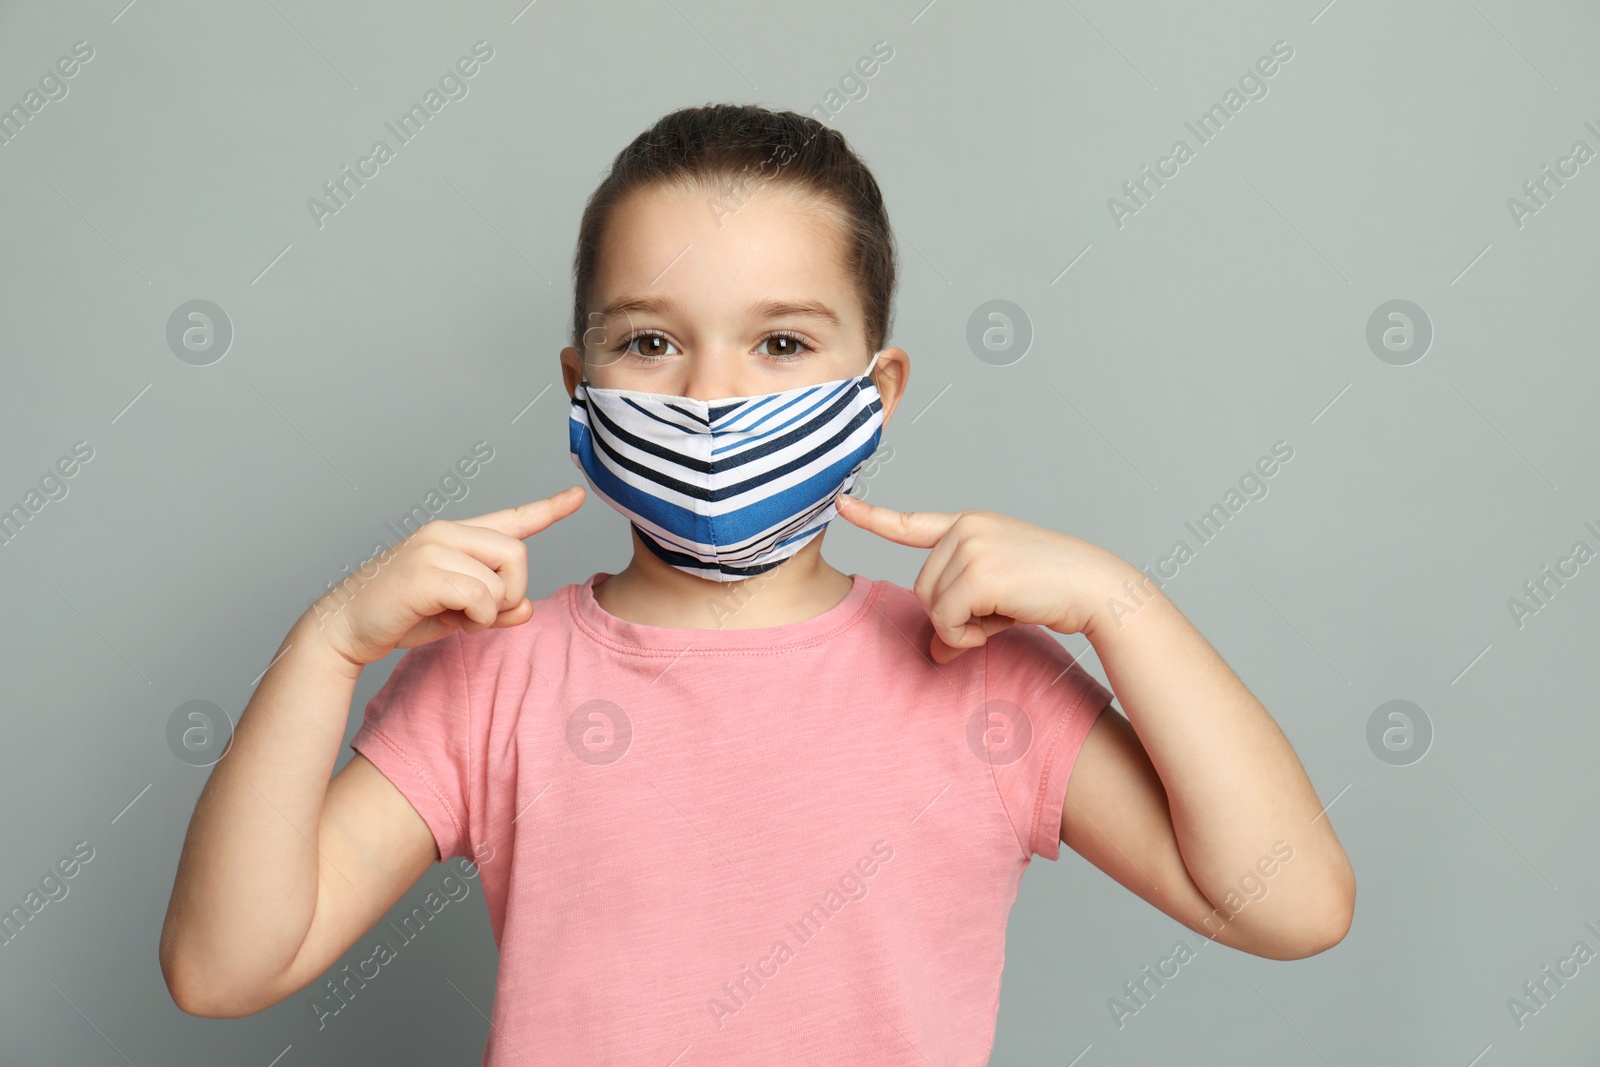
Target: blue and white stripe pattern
{"x": 725, "y": 489}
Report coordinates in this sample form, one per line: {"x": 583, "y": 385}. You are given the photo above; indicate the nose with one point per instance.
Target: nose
{"x": 714, "y": 374}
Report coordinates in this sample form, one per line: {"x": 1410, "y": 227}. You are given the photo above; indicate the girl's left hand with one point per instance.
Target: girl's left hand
{"x": 989, "y": 571}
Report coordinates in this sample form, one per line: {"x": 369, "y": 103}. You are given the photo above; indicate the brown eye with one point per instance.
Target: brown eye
{"x": 650, "y": 346}
{"x": 784, "y": 347}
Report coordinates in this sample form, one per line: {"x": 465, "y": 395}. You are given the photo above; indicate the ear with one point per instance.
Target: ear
{"x": 571, "y": 370}
{"x": 891, "y": 375}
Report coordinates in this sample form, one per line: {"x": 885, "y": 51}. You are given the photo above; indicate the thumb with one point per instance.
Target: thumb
{"x": 919, "y": 529}
{"x": 528, "y": 519}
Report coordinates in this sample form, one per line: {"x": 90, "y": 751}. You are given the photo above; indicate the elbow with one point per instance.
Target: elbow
{"x": 178, "y": 972}
{"x": 200, "y": 1000}
{"x": 1312, "y": 938}
{"x": 185, "y": 993}
{"x": 198, "y": 994}
{"x": 1323, "y": 928}
{"x": 174, "y": 973}
{"x": 187, "y": 990}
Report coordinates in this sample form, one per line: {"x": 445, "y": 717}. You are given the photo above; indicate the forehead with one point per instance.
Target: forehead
{"x": 711, "y": 252}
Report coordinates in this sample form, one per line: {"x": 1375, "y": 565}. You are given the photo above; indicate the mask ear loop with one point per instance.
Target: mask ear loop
{"x": 583, "y": 366}
{"x": 866, "y": 374}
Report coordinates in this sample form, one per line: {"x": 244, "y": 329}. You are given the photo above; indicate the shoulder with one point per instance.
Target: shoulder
{"x": 1029, "y": 665}
{"x": 1028, "y": 650}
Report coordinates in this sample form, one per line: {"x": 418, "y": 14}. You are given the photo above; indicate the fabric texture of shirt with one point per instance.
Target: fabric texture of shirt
{"x": 789, "y": 844}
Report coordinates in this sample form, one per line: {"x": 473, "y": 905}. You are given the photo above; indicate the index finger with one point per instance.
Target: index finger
{"x": 919, "y": 529}
{"x": 525, "y": 520}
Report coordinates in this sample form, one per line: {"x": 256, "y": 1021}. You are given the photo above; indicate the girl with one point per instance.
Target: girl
{"x": 730, "y": 804}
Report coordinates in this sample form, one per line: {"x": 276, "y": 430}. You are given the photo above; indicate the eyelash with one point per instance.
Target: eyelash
{"x": 626, "y": 342}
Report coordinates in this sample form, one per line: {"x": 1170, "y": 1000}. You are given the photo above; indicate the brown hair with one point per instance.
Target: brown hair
{"x": 729, "y": 149}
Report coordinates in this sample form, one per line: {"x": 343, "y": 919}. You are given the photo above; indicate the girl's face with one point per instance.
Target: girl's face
{"x": 693, "y": 299}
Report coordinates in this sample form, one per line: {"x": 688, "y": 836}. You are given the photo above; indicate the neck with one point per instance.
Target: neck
{"x": 654, "y": 593}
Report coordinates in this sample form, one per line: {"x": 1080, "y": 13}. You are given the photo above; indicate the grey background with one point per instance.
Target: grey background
{"x": 1229, "y": 313}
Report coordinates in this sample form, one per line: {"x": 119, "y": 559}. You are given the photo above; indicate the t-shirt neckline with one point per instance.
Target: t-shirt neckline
{"x": 643, "y": 639}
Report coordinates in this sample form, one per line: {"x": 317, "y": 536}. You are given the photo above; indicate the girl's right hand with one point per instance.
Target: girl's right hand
{"x": 449, "y": 575}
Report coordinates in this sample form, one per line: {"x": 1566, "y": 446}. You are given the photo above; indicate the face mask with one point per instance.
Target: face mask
{"x": 725, "y": 489}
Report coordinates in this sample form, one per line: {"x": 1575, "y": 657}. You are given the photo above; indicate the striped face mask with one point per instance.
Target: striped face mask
{"x": 725, "y": 489}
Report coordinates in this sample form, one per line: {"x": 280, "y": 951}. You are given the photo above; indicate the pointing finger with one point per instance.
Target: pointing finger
{"x": 919, "y": 529}
{"x": 526, "y": 520}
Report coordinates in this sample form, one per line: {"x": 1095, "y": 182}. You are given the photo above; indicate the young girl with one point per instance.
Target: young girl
{"x": 731, "y": 805}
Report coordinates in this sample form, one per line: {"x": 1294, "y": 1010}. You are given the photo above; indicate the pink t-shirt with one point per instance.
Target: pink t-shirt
{"x": 790, "y": 844}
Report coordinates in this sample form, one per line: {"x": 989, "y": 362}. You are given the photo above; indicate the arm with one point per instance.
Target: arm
{"x": 282, "y": 869}
{"x": 1194, "y": 801}
{"x": 1199, "y": 803}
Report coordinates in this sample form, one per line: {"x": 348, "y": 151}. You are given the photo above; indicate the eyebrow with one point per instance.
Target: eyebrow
{"x": 765, "y": 309}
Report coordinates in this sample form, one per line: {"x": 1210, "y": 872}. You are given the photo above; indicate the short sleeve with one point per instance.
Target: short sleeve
{"x": 1039, "y": 704}
{"x": 417, "y": 730}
